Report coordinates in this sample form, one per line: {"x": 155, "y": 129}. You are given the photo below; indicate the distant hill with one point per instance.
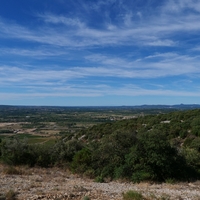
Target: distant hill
{"x": 176, "y": 107}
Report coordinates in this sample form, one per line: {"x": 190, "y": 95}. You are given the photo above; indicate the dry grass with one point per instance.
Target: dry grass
{"x": 11, "y": 195}
{"x": 11, "y": 170}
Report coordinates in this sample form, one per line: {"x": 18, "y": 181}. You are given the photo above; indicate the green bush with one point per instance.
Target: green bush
{"x": 43, "y": 156}
{"x": 195, "y": 144}
{"x": 192, "y": 157}
{"x": 81, "y": 161}
{"x": 99, "y": 179}
{"x": 64, "y": 151}
{"x": 108, "y": 156}
{"x": 154, "y": 158}
{"x": 139, "y": 176}
{"x": 17, "y": 152}
{"x": 86, "y": 198}
{"x": 132, "y": 195}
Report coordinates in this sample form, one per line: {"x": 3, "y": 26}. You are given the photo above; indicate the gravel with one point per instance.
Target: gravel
{"x": 53, "y": 183}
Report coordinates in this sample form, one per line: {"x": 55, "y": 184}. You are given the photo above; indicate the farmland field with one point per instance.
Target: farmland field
{"x": 45, "y": 124}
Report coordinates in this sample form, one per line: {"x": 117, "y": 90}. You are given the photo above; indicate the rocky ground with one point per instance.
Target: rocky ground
{"x": 53, "y": 183}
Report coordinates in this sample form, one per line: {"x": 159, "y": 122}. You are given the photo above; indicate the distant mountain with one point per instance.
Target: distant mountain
{"x": 142, "y": 107}
{"x": 179, "y": 106}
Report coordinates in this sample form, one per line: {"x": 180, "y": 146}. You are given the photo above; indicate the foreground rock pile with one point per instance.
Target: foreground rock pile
{"x": 37, "y": 183}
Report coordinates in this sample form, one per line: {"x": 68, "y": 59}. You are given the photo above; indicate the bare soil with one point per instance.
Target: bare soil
{"x": 53, "y": 183}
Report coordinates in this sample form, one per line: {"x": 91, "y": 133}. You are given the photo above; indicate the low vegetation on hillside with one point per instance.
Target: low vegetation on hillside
{"x": 161, "y": 147}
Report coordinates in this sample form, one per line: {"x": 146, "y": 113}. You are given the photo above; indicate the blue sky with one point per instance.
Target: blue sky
{"x": 98, "y": 53}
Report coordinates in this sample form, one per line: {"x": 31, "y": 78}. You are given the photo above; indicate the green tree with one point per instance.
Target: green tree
{"x": 16, "y": 152}
{"x": 153, "y": 158}
{"x": 81, "y": 161}
{"x": 64, "y": 151}
{"x": 109, "y": 155}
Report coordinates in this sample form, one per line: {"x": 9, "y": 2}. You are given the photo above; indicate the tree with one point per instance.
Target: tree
{"x": 153, "y": 158}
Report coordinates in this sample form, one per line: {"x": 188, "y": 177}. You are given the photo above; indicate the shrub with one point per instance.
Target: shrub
{"x": 90, "y": 173}
{"x": 86, "y": 198}
{"x": 132, "y": 195}
{"x": 192, "y": 157}
{"x": 81, "y": 161}
{"x": 154, "y": 158}
{"x": 139, "y": 176}
{"x": 43, "y": 155}
{"x": 195, "y": 144}
{"x": 99, "y": 179}
{"x": 108, "y": 156}
{"x": 12, "y": 170}
{"x": 17, "y": 152}
{"x": 65, "y": 151}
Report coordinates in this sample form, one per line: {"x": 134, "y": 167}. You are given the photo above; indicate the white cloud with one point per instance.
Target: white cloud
{"x": 73, "y": 32}
{"x": 153, "y": 66}
{"x": 54, "y": 19}
{"x": 97, "y": 5}
{"x": 80, "y": 91}
{"x": 166, "y": 43}
{"x": 129, "y": 47}
{"x": 35, "y": 53}
{"x": 128, "y": 21}
{"x": 180, "y": 5}
{"x": 138, "y": 91}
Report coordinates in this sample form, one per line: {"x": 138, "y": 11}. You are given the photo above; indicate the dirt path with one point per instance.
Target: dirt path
{"x": 37, "y": 183}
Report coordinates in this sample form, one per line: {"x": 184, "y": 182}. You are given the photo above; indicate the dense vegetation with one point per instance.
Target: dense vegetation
{"x": 160, "y": 147}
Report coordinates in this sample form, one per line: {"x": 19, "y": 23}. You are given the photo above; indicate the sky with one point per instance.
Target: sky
{"x": 99, "y": 52}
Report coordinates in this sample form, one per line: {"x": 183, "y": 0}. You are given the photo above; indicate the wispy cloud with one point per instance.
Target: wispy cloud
{"x": 178, "y": 6}
{"x": 155, "y": 66}
{"x": 73, "y": 32}
{"x": 35, "y": 53}
{"x": 54, "y": 19}
{"x": 133, "y": 50}
{"x": 97, "y": 92}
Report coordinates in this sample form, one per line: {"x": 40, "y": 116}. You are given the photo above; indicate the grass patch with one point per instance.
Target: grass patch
{"x": 36, "y": 140}
{"x": 86, "y": 198}
{"x": 11, "y": 170}
{"x": 26, "y": 135}
{"x": 133, "y": 195}
{"x": 170, "y": 181}
{"x": 50, "y": 142}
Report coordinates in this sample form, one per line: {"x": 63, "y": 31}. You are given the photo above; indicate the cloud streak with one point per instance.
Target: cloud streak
{"x": 73, "y": 32}
{"x": 133, "y": 50}
{"x": 156, "y": 66}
